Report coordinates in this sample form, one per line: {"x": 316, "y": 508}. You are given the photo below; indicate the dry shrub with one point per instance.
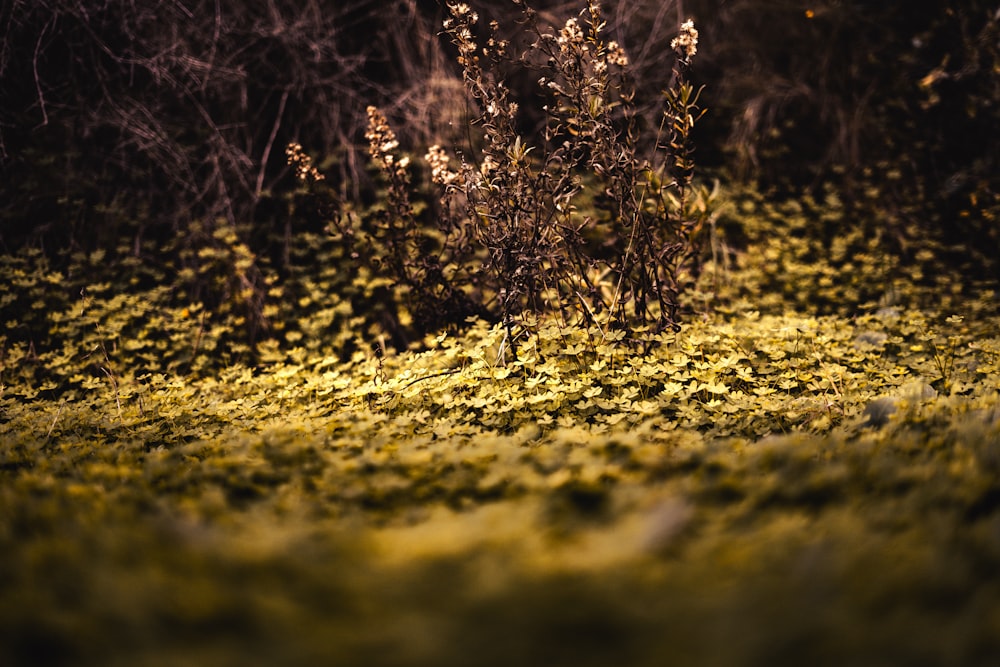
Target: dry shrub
{"x": 581, "y": 219}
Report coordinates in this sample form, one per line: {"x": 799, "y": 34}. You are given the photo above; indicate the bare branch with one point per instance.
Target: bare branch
{"x": 270, "y": 143}
{"x": 34, "y": 67}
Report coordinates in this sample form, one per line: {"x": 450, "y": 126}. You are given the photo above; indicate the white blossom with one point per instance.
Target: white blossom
{"x": 687, "y": 41}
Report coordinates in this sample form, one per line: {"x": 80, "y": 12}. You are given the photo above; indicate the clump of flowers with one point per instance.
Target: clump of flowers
{"x": 304, "y": 169}
{"x": 382, "y": 143}
{"x": 616, "y": 55}
{"x": 686, "y": 43}
{"x": 571, "y": 37}
{"x": 441, "y": 173}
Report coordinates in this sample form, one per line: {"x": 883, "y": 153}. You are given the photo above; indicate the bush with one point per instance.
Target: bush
{"x": 890, "y": 102}
{"x": 586, "y": 224}
{"x": 153, "y": 134}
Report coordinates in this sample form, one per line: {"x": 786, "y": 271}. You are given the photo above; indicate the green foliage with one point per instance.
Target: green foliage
{"x": 229, "y": 446}
{"x": 154, "y": 137}
{"x": 748, "y": 376}
{"x": 100, "y": 317}
{"x": 647, "y": 502}
{"x": 810, "y": 479}
{"x": 896, "y": 125}
{"x": 821, "y": 256}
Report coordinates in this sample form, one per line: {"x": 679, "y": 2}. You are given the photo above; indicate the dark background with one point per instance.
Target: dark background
{"x": 136, "y": 129}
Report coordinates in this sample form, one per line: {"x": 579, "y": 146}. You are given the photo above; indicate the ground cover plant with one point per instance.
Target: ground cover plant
{"x": 807, "y": 488}
{"x": 476, "y": 418}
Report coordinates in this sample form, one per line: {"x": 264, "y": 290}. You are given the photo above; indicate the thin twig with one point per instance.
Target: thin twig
{"x": 210, "y": 65}
{"x": 270, "y": 143}
{"x": 114, "y": 385}
{"x": 452, "y": 371}
{"x": 55, "y": 420}
{"x": 38, "y": 81}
